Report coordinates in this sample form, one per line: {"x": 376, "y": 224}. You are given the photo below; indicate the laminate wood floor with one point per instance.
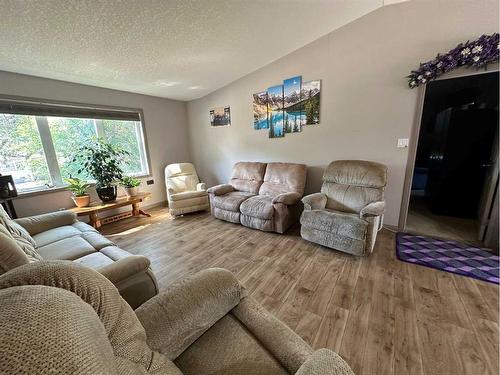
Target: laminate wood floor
{"x": 381, "y": 315}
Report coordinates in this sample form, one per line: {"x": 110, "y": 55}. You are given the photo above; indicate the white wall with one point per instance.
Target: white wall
{"x": 365, "y": 102}
{"x": 165, "y": 120}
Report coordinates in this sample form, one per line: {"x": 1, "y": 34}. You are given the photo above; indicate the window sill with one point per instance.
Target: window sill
{"x": 56, "y": 189}
{"x": 40, "y": 192}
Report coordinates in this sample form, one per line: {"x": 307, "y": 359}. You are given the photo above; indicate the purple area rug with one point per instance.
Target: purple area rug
{"x": 449, "y": 256}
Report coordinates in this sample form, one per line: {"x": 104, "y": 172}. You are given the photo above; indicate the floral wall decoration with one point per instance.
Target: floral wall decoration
{"x": 477, "y": 54}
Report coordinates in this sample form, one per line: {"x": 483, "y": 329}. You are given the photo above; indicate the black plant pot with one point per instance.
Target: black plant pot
{"x": 107, "y": 193}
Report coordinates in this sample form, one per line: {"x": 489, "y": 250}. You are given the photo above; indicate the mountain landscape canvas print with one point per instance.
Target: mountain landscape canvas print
{"x": 293, "y": 115}
{"x": 260, "y": 111}
{"x": 310, "y": 95}
{"x": 287, "y": 108}
{"x": 220, "y": 116}
{"x": 275, "y": 104}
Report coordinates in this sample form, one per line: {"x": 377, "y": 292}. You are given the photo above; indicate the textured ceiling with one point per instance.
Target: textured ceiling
{"x": 180, "y": 49}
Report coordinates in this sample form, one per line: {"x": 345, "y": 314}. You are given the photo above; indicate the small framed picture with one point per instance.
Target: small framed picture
{"x": 220, "y": 116}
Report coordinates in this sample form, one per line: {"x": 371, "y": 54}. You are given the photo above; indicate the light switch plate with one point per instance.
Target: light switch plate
{"x": 403, "y": 142}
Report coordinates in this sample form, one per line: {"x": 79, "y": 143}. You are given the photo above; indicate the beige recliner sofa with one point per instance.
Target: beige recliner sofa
{"x": 263, "y": 196}
{"x": 348, "y": 212}
{"x": 59, "y": 236}
{"x": 63, "y": 318}
{"x": 185, "y": 192}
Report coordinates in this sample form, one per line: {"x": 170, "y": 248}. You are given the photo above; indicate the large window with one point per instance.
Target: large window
{"x": 37, "y": 150}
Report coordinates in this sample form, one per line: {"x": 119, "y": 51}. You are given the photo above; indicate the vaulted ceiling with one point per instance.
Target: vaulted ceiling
{"x": 180, "y": 49}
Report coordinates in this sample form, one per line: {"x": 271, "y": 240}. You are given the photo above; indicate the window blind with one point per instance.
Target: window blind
{"x": 38, "y": 108}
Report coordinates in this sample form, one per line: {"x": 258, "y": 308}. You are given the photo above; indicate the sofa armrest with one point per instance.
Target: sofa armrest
{"x": 220, "y": 189}
{"x": 289, "y": 198}
{"x": 177, "y": 317}
{"x": 316, "y": 201}
{"x": 124, "y": 268}
{"x": 373, "y": 209}
{"x": 201, "y": 186}
{"x": 324, "y": 361}
{"x": 284, "y": 344}
{"x": 41, "y": 223}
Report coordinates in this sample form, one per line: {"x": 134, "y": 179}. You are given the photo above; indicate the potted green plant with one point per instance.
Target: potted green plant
{"x": 131, "y": 185}
{"x": 101, "y": 161}
{"x": 79, "y": 190}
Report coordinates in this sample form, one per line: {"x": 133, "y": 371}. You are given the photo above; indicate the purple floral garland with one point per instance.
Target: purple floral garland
{"x": 477, "y": 53}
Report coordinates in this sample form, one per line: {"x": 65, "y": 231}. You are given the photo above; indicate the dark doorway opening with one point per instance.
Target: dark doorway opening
{"x": 455, "y": 176}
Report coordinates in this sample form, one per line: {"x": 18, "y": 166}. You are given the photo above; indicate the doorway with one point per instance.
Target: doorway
{"x": 454, "y": 183}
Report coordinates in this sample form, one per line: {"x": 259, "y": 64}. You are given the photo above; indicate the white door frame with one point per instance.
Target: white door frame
{"x": 415, "y": 132}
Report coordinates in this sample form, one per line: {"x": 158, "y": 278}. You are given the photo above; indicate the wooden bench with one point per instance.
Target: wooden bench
{"x": 94, "y": 209}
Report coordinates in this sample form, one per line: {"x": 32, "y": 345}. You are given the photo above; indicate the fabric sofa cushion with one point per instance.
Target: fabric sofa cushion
{"x": 187, "y": 195}
{"x": 259, "y": 206}
{"x": 94, "y": 260}
{"x": 41, "y": 223}
{"x": 115, "y": 253}
{"x": 228, "y": 348}
{"x": 356, "y": 172}
{"x": 349, "y": 198}
{"x": 16, "y": 230}
{"x": 23, "y": 239}
{"x": 84, "y": 227}
{"x": 283, "y": 178}
{"x": 96, "y": 240}
{"x": 248, "y": 176}
{"x": 339, "y": 223}
{"x": 27, "y": 247}
{"x": 352, "y": 184}
{"x": 11, "y": 254}
{"x": 231, "y": 201}
{"x": 56, "y": 234}
{"x": 69, "y": 248}
{"x": 191, "y": 202}
{"x": 231, "y": 216}
{"x": 180, "y": 177}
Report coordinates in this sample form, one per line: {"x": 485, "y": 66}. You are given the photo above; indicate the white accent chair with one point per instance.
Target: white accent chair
{"x": 185, "y": 192}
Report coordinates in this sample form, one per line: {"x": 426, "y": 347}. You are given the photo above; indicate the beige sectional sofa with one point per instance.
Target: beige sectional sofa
{"x": 204, "y": 324}
{"x": 59, "y": 236}
{"x": 263, "y": 196}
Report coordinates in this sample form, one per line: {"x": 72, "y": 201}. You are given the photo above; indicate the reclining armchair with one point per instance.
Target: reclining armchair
{"x": 185, "y": 192}
{"x": 61, "y": 318}
{"x": 348, "y": 212}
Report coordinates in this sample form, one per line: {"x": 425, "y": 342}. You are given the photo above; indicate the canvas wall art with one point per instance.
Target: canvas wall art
{"x": 287, "y": 108}
{"x": 260, "y": 111}
{"x": 310, "y": 94}
{"x": 220, "y": 116}
{"x": 275, "y": 105}
{"x": 292, "y": 105}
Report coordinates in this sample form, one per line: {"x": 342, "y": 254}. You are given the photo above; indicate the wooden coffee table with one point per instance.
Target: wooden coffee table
{"x": 94, "y": 209}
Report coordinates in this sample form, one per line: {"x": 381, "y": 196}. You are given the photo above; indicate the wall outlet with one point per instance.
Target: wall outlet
{"x": 403, "y": 142}
{"x": 150, "y": 182}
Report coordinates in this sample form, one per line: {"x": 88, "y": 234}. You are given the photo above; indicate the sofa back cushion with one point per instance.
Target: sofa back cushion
{"x": 284, "y": 178}
{"x": 11, "y": 254}
{"x": 20, "y": 235}
{"x": 248, "y": 176}
{"x": 181, "y": 177}
{"x": 352, "y": 184}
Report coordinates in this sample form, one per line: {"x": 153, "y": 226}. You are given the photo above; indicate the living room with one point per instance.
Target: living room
{"x": 217, "y": 201}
